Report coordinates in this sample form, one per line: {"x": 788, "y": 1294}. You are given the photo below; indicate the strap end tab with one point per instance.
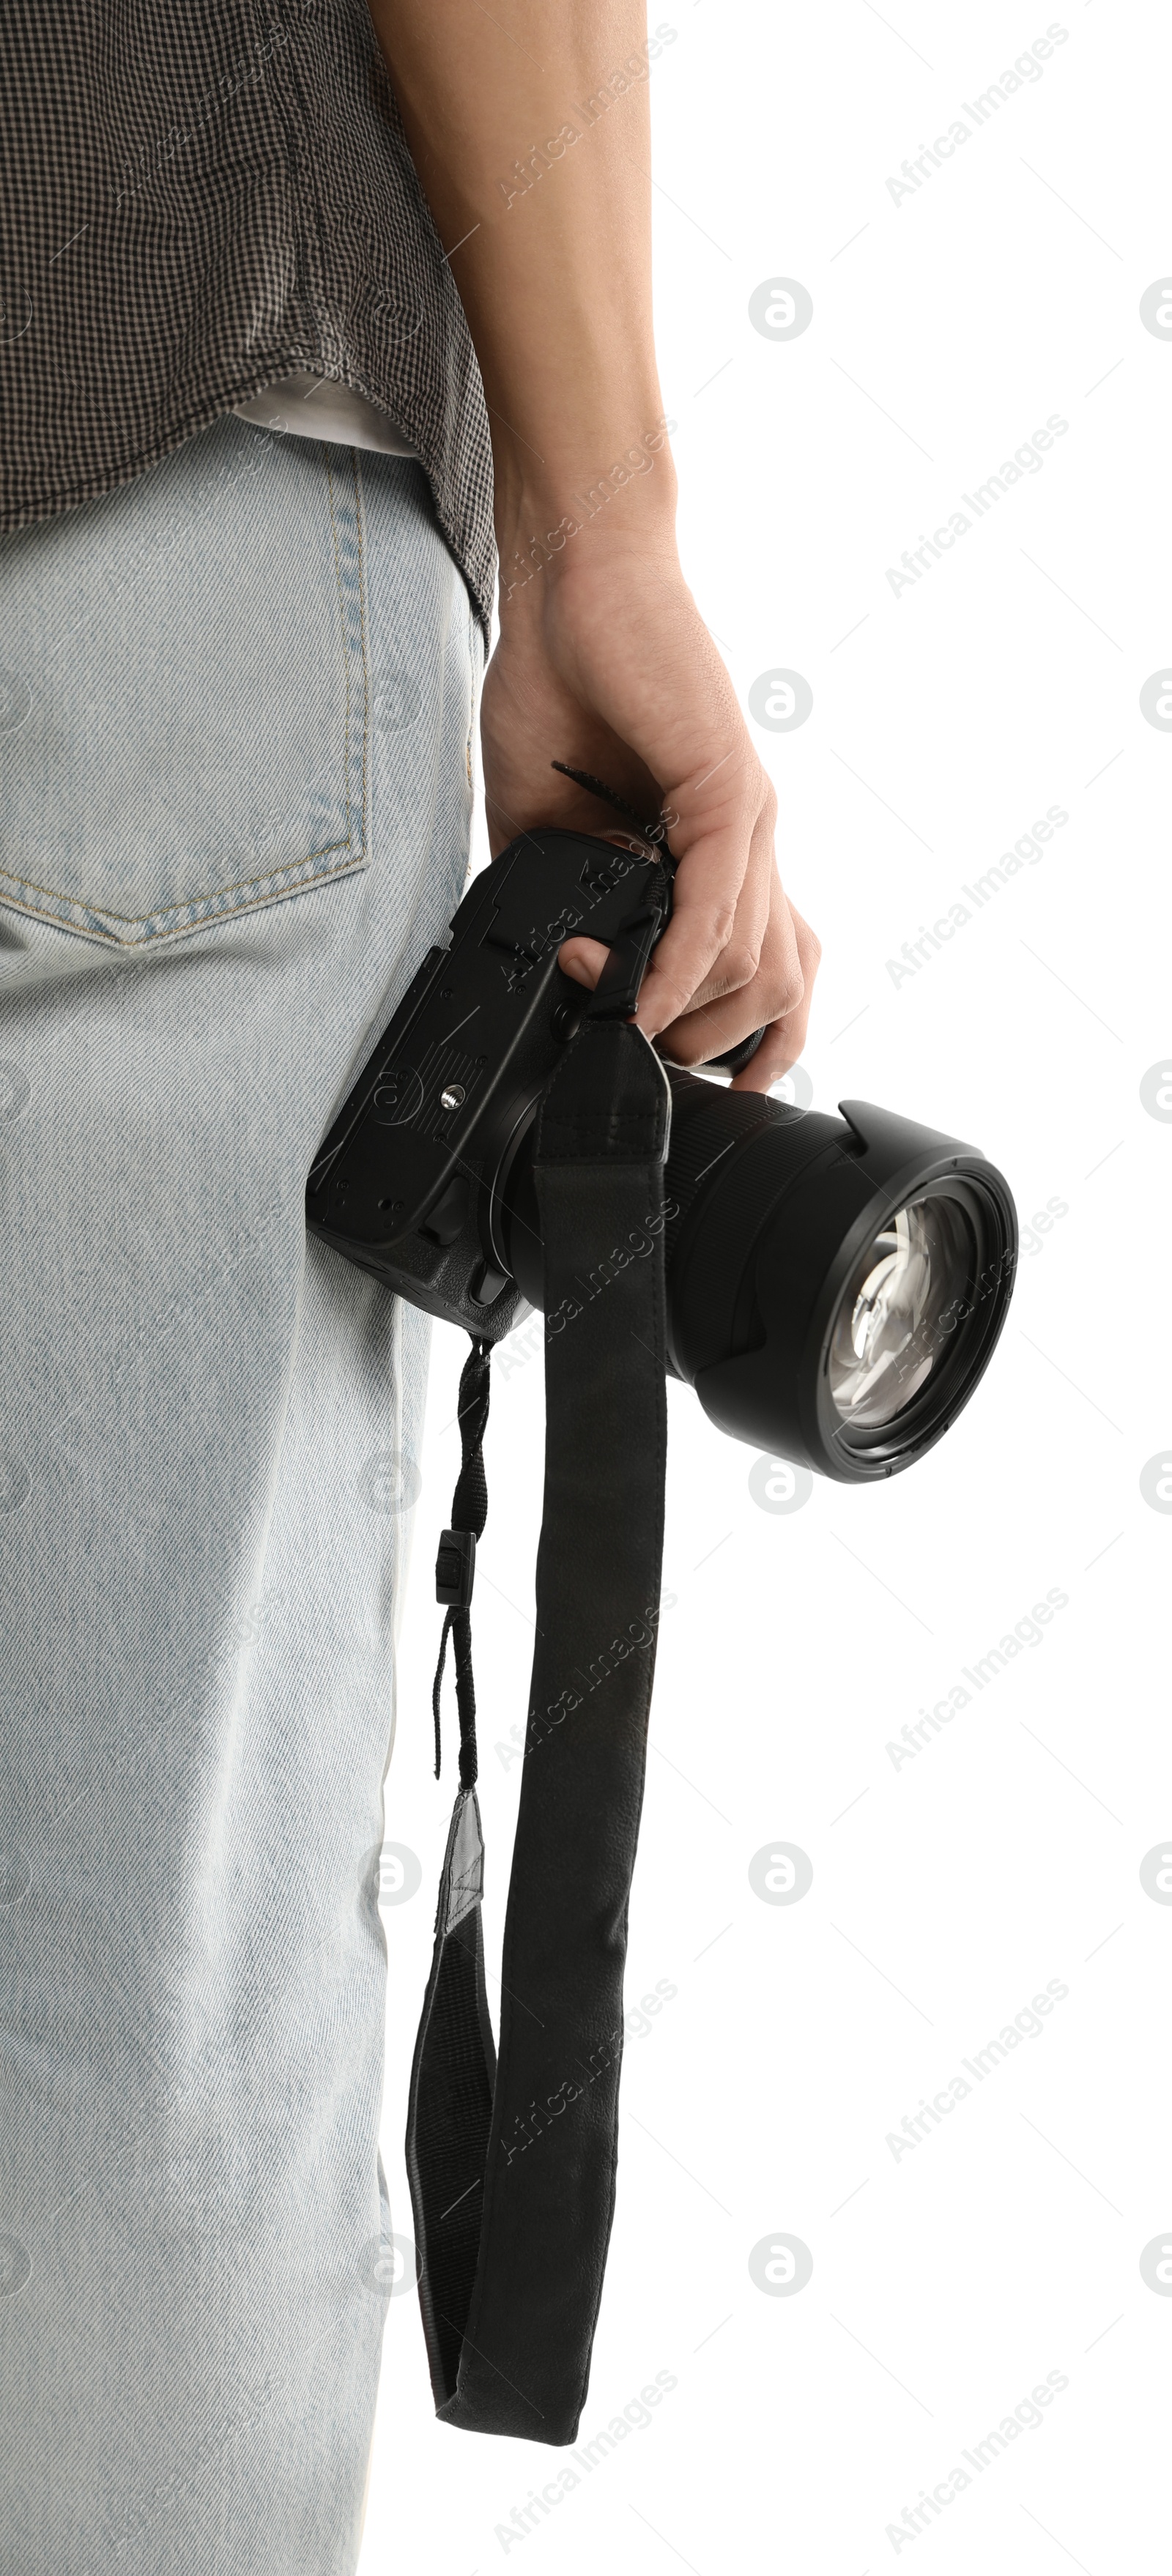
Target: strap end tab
{"x": 455, "y": 1568}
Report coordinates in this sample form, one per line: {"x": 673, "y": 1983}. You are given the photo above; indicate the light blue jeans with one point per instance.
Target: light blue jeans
{"x": 235, "y": 796}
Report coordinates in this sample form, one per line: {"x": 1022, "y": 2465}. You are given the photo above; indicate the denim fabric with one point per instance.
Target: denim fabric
{"x": 182, "y": 743}
{"x": 236, "y": 743}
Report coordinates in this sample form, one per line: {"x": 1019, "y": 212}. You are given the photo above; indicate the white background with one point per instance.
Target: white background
{"x": 948, "y": 2281}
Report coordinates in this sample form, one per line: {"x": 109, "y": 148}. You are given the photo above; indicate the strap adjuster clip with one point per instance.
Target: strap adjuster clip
{"x": 455, "y": 1568}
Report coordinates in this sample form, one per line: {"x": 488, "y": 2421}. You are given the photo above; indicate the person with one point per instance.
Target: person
{"x": 309, "y": 316}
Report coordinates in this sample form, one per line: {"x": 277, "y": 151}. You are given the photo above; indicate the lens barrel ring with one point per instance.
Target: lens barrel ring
{"x": 711, "y": 1261}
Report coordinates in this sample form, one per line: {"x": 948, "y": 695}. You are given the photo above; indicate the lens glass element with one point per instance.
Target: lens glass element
{"x": 897, "y": 1316}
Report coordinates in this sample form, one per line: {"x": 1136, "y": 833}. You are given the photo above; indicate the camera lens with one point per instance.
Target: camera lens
{"x": 891, "y": 1329}
{"x": 835, "y": 1286}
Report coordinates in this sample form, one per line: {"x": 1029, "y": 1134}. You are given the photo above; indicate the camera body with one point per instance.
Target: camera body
{"x": 410, "y": 1179}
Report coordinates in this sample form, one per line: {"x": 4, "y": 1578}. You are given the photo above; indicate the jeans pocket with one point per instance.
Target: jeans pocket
{"x": 184, "y": 691}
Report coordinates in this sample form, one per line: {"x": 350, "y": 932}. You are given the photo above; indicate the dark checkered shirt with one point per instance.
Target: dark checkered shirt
{"x": 199, "y": 196}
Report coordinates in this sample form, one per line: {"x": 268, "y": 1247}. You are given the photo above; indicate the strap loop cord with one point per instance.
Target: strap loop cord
{"x": 469, "y": 1513}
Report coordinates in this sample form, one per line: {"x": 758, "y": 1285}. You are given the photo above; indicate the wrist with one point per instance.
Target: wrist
{"x": 549, "y": 516}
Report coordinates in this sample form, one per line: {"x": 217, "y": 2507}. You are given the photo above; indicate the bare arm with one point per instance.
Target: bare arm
{"x": 530, "y": 131}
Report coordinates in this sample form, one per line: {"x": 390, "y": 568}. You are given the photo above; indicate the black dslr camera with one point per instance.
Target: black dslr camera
{"x": 835, "y": 1286}
{"x": 831, "y": 1287}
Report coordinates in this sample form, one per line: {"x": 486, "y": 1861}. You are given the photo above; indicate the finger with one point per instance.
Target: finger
{"x": 583, "y": 960}
{"x": 737, "y": 961}
{"x": 785, "y": 1036}
{"x": 778, "y": 996}
{"x": 705, "y": 893}
{"x": 740, "y": 958}
{"x": 773, "y": 992}
{"x": 780, "y": 1048}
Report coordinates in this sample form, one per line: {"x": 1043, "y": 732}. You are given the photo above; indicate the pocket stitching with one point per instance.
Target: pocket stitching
{"x": 97, "y": 922}
{"x": 92, "y": 923}
{"x": 345, "y": 643}
{"x": 359, "y": 519}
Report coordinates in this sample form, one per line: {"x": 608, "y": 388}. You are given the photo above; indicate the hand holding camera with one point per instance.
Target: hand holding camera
{"x": 604, "y": 653}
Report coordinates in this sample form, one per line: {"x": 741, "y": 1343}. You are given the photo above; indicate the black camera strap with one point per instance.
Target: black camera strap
{"x": 456, "y": 1563}
{"x": 511, "y": 2159}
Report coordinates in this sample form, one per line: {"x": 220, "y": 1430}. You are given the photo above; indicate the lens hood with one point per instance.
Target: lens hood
{"x": 759, "y": 1273}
